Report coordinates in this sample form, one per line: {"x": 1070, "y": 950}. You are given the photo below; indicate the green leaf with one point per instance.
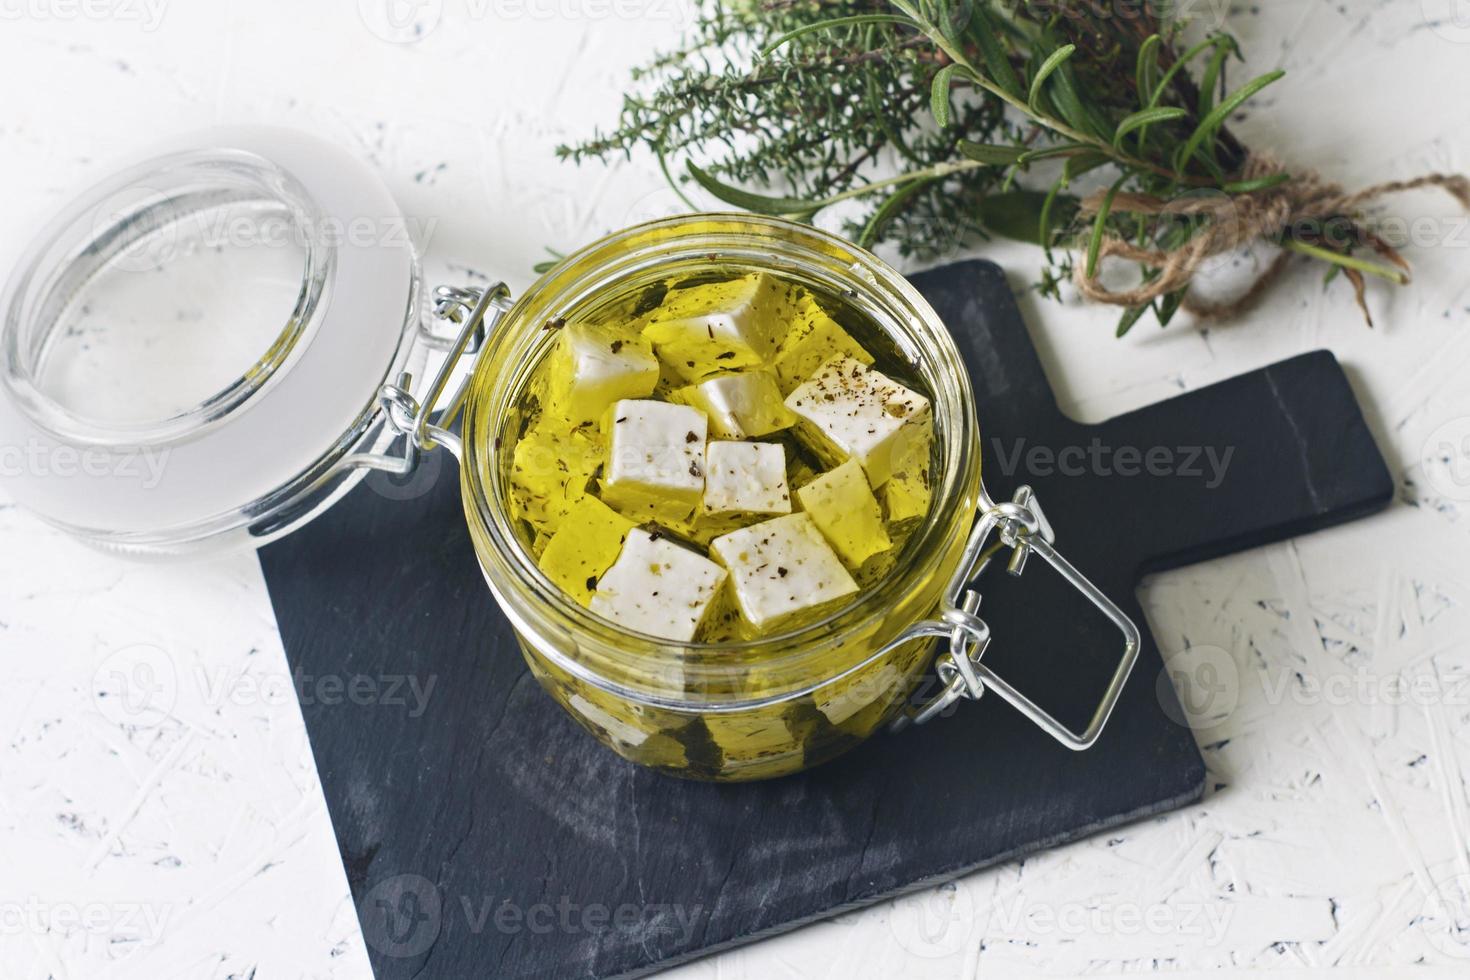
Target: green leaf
{"x": 1146, "y": 117}
{"x": 663, "y": 165}
{"x": 1017, "y": 214}
{"x": 939, "y": 95}
{"x": 1178, "y": 65}
{"x": 836, "y": 22}
{"x": 886, "y": 211}
{"x": 1078, "y": 112}
{"x": 993, "y": 153}
{"x": 1081, "y": 163}
{"x": 1051, "y": 64}
{"x": 1148, "y": 63}
{"x": 1212, "y": 76}
{"x": 1258, "y": 184}
{"x": 1044, "y": 225}
{"x": 951, "y": 18}
{"x": 874, "y": 100}
{"x": 1169, "y": 304}
{"x": 1225, "y": 110}
{"x": 759, "y": 203}
{"x": 987, "y": 39}
{"x": 1049, "y": 152}
{"x": 1094, "y": 243}
{"x": 1130, "y": 317}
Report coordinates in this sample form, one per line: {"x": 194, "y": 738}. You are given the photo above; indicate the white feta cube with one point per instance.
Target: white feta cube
{"x": 781, "y": 567}
{"x": 745, "y": 405}
{"x": 655, "y": 459}
{"x": 704, "y": 329}
{"x": 593, "y": 367}
{"x": 850, "y": 411}
{"x": 658, "y": 588}
{"x": 746, "y": 478}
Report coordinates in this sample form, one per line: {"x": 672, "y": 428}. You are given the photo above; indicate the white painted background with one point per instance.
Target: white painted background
{"x": 198, "y": 845}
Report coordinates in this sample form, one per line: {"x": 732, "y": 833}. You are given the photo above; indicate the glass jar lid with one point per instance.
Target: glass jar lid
{"x": 190, "y": 351}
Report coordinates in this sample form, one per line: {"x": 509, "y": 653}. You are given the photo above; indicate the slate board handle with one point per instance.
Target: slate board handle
{"x": 1282, "y": 451}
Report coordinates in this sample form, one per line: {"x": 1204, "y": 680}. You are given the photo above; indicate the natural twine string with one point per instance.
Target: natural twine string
{"x": 1236, "y": 221}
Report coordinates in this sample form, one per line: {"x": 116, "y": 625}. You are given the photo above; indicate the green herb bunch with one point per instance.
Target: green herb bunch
{"x": 944, "y": 120}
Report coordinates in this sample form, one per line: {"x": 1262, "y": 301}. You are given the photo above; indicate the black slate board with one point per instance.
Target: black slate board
{"x": 485, "y": 835}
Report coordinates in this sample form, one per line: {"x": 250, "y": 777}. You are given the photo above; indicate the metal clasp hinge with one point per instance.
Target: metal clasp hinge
{"x": 1022, "y": 526}
{"x": 426, "y": 420}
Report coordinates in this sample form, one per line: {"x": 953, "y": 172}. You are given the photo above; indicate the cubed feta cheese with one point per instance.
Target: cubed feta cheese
{"x": 704, "y": 329}
{"x": 552, "y": 467}
{"x": 814, "y": 338}
{"x": 592, "y": 367}
{"x": 844, "y": 509}
{"x": 906, "y": 494}
{"x": 586, "y": 544}
{"x": 658, "y": 588}
{"x": 745, "y": 405}
{"x": 781, "y": 567}
{"x": 746, "y": 477}
{"x": 848, "y": 410}
{"x": 655, "y": 459}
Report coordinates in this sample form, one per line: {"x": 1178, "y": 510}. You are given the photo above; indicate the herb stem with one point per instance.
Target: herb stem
{"x": 958, "y": 56}
{"x": 1397, "y": 276}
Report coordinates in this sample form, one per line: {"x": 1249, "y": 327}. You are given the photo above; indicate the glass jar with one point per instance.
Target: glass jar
{"x": 725, "y": 711}
{"x": 267, "y": 434}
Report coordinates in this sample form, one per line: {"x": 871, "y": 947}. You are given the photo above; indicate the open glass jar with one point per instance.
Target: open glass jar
{"x": 255, "y": 449}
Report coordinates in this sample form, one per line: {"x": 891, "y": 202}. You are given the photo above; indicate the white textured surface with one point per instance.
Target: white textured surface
{"x": 194, "y": 842}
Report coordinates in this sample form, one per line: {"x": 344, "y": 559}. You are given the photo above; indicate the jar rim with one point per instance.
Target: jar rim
{"x": 153, "y": 199}
{"x": 716, "y": 236}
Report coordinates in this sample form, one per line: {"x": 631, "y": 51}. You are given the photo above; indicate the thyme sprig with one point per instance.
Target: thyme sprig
{"x": 938, "y": 118}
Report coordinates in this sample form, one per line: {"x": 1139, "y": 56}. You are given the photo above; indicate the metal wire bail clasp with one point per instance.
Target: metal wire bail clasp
{"x": 1022, "y": 526}
{"x": 472, "y": 314}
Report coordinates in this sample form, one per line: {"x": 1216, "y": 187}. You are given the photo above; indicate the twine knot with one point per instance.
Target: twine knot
{"x": 1305, "y": 202}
